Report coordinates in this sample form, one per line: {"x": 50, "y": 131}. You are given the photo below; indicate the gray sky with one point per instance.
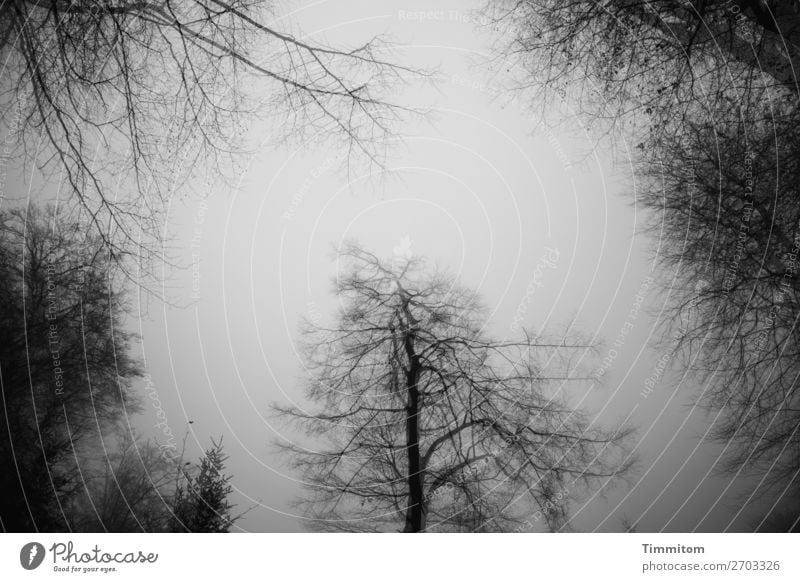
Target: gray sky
{"x": 482, "y": 190}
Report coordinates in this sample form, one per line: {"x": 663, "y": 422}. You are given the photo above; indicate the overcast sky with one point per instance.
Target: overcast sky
{"x": 481, "y": 189}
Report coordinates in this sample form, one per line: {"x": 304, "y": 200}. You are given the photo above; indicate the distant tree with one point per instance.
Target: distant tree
{"x": 128, "y": 486}
{"x": 201, "y": 501}
{"x": 65, "y": 362}
{"x": 426, "y": 423}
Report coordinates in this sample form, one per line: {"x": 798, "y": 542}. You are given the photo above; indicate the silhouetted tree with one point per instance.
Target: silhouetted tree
{"x": 709, "y": 91}
{"x": 128, "y": 485}
{"x": 65, "y": 363}
{"x": 728, "y": 221}
{"x": 649, "y": 66}
{"x": 428, "y": 422}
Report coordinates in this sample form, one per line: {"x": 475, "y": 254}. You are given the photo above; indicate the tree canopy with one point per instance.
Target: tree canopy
{"x": 65, "y": 362}
{"x": 126, "y": 102}
{"x": 424, "y": 422}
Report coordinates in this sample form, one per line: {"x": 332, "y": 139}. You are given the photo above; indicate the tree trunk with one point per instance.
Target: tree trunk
{"x": 415, "y": 513}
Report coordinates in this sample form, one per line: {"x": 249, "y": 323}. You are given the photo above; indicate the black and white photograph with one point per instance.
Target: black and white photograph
{"x": 286, "y": 268}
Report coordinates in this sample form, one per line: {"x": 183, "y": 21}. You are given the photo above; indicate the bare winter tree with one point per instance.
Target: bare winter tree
{"x": 125, "y": 101}
{"x": 730, "y": 234}
{"x": 649, "y": 66}
{"x": 127, "y": 485}
{"x": 430, "y": 424}
{"x": 709, "y": 91}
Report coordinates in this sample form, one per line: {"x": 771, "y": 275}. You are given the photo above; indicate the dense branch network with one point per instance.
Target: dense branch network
{"x": 125, "y": 101}
{"x": 708, "y": 89}
{"x": 430, "y": 424}
{"x": 651, "y": 65}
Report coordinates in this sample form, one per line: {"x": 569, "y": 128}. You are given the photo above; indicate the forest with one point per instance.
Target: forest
{"x": 518, "y": 266}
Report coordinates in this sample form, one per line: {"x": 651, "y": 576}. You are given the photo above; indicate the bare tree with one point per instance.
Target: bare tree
{"x": 430, "y": 423}
{"x": 649, "y": 66}
{"x": 729, "y": 225}
{"x": 709, "y": 91}
{"x": 125, "y": 101}
{"x": 65, "y": 364}
{"x": 127, "y": 485}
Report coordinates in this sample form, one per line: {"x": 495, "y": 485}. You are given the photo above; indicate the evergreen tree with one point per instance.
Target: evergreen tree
{"x": 201, "y": 504}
